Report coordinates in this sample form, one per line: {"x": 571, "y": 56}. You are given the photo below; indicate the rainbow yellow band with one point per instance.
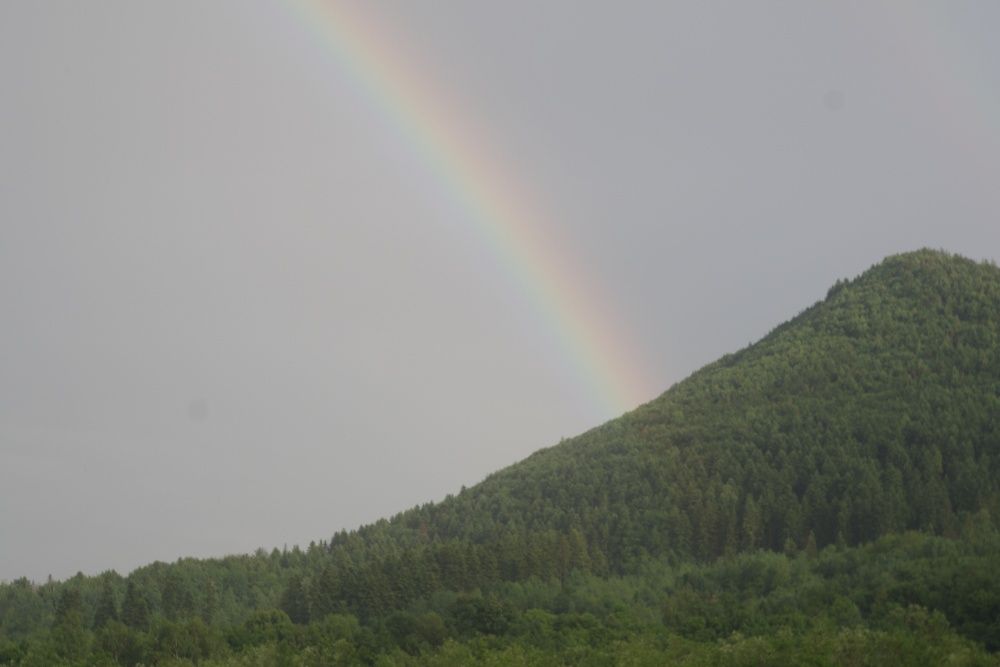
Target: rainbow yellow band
{"x": 505, "y": 217}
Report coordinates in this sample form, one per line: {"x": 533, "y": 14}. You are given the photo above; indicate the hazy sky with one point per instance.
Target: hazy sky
{"x": 241, "y": 308}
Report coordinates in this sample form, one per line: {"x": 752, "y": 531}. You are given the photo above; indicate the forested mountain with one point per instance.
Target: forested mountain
{"x": 756, "y": 512}
{"x": 876, "y": 410}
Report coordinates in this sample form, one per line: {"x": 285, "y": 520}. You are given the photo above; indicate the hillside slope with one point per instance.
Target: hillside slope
{"x": 874, "y": 411}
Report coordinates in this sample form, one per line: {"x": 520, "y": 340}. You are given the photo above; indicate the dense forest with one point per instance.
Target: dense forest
{"x": 828, "y": 495}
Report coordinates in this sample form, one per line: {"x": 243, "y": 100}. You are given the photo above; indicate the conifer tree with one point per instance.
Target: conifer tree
{"x": 135, "y": 609}
{"x": 293, "y": 601}
{"x": 67, "y": 628}
{"x": 106, "y": 609}
{"x": 210, "y": 605}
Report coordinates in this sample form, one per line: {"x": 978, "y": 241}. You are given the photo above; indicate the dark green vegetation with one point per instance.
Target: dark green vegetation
{"x": 829, "y": 495}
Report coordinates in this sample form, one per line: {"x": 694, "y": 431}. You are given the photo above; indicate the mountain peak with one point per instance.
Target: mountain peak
{"x": 830, "y": 425}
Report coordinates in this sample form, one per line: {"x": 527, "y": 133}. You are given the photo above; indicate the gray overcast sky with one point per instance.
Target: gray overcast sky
{"x": 241, "y": 310}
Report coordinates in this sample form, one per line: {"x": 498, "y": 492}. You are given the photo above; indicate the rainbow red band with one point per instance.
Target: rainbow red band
{"x": 506, "y": 217}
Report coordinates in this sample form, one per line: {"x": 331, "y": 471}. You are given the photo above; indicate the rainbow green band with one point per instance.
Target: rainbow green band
{"x": 503, "y": 214}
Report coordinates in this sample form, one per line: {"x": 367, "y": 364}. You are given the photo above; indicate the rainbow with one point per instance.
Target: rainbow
{"x": 504, "y": 215}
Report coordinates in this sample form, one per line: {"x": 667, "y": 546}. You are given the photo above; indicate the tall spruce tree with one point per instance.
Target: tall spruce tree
{"x": 135, "y": 609}
{"x": 107, "y": 609}
{"x": 294, "y": 601}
